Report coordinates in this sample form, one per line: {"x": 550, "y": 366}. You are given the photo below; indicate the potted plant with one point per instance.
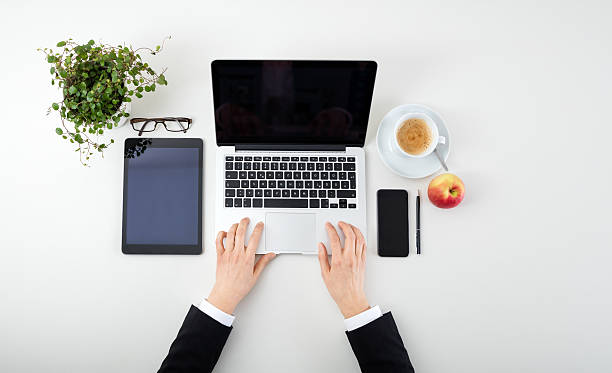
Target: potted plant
{"x": 98, "y": 82}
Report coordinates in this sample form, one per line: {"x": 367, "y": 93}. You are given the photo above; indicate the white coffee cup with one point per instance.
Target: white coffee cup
{"x": 435, "y": 134}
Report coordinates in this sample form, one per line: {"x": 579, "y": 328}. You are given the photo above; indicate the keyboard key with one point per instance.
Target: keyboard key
{"x": 352, "y": 206}
{"x": 274, "y": 166}
{"x": 258, "y": 193}
{"x": 283, "y": 166}
{"x": 333, "y": 205}
{"x": 278, "y": 175}
{"x": 246, "y": 166}
{"x": 297, "y": 175}
{"x": 256, "y": 166}
{"x": 263, "y": 184}
{"x": 317, "y": 184}
{"x": 240, "y": 193}
{"x": 324, "y": 175}
{"x": 312, "y": 193}
{"x": 257, "y": 159}
{"x": 304, "y": 193}
{"x": 253, "y": 184}
{"x": 269, "y": 174}
{"x": 252, "y": 174}
{"x": 267, "y": 159}
{"x": 285, "y": 203}
{"x": 329, "y": 166}
{"x": 353, "y": 184}
{"x": 286, "y": 193}
{"x": 272, "y": 184}
{"x": 295, "y": 159}
{"x": 337, "y": 166}
{"x": 230, "y": 192}
{"x": 246, "y": 202}
{"x": 303, "y": 159}
{"x": 320, "y": 166}
{"x": 295, "y": 193}
{"x": 268, "y": 193}
{"x": 229, "y": 202}
{"x": 323, "y": 159}
{"x": 229, "y": 165}
{"x": 342, "y": 175}
{"x": 351, "y": 159}
{"x": 342, "y": 203}
{"x": 324, "y": 203}
{"x": 301, "y": 166}
{"x": 265, "y": 166}
{"x": 333, "y": 175}
{"x": 310, "y": 166}
{"x": 313, "y": 159}
{"x": 242, "y": 174}
{"x": 306, "y": 175}
{"x": 238, "y": 166}
{"x": 347, "y": 194}
{"x": 348, "y": 166}
{"x": 275, "y": 159}
{"x": 308, "y": 184}
{"x": 332, "y": 159}
{"x": 344, "y": 184}
{"x": 261, "y": 175}
{"x": 232, "y": 184}
{"x": 229, "y": 158}
{"x": 341, "y": 159}
{"x": 244, "y": 183}
{"x": 237, "y": 202}
{"x": 238, "y": 158}
{"x": 257, "y": 202}
{"x": 331, "y": 193}
{"x": 293, "y": 166}
{"x": 327, "y": 184}
{"x": 322, "y": 194}
{"x": 314, "y": 175}
{"x": 285, "y": 159}
{"x": 231, "y": 174}
{"x": 336, "y": 184}
{"x": 248, "y": 159}
{"x": 249, "y": 192}
{"x": 276, "y": 193}
{"x": 314, "y": 203}
{"x": 287, "y": 175}
{"x": 299, "y": 184}
{"x": 281, "y": 184}
{"x": 351, "y": 176}
{"x": 290, "y": 184}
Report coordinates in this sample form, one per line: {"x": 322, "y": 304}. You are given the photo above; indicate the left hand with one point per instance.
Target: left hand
{"x": 237, "y": 271}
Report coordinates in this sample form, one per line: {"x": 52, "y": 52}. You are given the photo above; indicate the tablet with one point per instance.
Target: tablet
{"x": 162, "y": 196}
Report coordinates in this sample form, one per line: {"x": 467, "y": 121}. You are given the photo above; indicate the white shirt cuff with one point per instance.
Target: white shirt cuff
{"x": 216, "y": 313}
{"x": 362, "y": 319}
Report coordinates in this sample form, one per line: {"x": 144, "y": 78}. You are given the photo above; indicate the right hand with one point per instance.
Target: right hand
{"x": 344, "y": 277}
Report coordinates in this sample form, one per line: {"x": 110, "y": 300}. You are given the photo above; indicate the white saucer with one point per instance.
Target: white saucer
{"x": 413, "y": 168}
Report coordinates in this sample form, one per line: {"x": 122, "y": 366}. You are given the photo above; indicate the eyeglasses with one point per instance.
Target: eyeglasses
{"x": 172, "y": 124}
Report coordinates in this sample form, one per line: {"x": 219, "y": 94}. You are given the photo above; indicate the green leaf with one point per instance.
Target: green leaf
{"x": 156, "y": 48}
{"x": 55, "y": 106}
{"x": 91, "y": 42}
{"x": 61, "y": 44}
{"x": 51, "y": 59}
{"x": 72, "y": 90}
{"x": 52, "y": 70}
{"x": 138, "y": 94}
{"x": 59, "y": 131}
{"x": 147, "y": 88}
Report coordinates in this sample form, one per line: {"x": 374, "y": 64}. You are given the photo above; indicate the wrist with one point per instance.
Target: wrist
{"x": 354, "y": 307}
{"x": 222, "y": 301}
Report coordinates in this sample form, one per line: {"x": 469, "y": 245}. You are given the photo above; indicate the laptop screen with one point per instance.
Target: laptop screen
{"x": 292, "y": 102}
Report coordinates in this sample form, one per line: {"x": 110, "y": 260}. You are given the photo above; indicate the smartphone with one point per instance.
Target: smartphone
{"x": 392, "y": 222}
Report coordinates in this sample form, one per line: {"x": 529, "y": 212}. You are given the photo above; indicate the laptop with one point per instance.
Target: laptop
{"x": 290, "y": 138}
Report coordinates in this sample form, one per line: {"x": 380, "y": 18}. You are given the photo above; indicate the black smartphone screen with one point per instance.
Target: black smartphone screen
{"x": 392, "y": 222}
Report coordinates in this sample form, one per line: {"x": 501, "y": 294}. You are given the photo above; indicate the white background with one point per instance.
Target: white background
{"x": 515, "y": 279}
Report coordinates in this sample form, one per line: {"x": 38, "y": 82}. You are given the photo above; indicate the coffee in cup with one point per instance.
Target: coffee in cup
{"x": 414, "y": 136}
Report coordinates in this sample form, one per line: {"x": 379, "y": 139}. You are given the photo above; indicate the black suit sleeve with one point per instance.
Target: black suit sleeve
{"x": 379, "y": 348}
{"x": 197, "y": 346}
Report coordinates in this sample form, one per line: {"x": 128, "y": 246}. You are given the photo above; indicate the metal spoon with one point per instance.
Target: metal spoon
{"x": 441, "y": 159}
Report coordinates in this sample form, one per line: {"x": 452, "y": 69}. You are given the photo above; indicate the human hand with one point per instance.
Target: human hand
{"x": 344, "y": 277}
{"x": 237, "y": 271}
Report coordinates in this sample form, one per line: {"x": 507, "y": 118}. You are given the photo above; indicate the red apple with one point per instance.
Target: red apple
{"x": 446, "y": 191}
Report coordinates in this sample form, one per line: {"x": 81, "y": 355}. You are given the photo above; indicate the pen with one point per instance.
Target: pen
{"x": 418, "y": 223}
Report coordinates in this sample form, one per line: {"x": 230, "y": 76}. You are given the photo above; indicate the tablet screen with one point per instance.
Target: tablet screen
{"x": 162, "y": 196}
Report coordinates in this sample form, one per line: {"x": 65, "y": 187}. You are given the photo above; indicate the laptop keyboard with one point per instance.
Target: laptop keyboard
{"x": 290, "y": 182}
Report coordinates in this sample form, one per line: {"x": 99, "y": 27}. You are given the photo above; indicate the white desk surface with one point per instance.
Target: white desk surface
{"x": 516, "y": 279}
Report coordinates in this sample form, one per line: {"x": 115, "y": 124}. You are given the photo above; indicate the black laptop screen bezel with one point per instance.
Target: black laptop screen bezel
{"x": 370, "y": 66}
{"x": 194, "y": 143}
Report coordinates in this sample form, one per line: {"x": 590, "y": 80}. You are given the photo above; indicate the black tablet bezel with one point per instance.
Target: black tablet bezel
{"x": 164, "y": 249}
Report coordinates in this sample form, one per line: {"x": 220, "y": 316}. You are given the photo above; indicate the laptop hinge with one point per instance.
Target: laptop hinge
{"x": 292, "y": 147}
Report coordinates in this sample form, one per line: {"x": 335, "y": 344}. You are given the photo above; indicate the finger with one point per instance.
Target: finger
{"x": 360, "y": 244}
{"x": 323, "y": 260}
{"x": 349, "y": 238}
{"x": 240, "y": 233}
{"x": 219, "y": 242}
{"x": 254, "y": 239}
{"x": 231, "y": 237}
{"x": 261, "y": 264}
{"x": 334, "y": 240}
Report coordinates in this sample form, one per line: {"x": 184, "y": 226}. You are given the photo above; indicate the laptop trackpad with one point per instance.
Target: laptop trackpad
{"x": 290, "y": 233}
